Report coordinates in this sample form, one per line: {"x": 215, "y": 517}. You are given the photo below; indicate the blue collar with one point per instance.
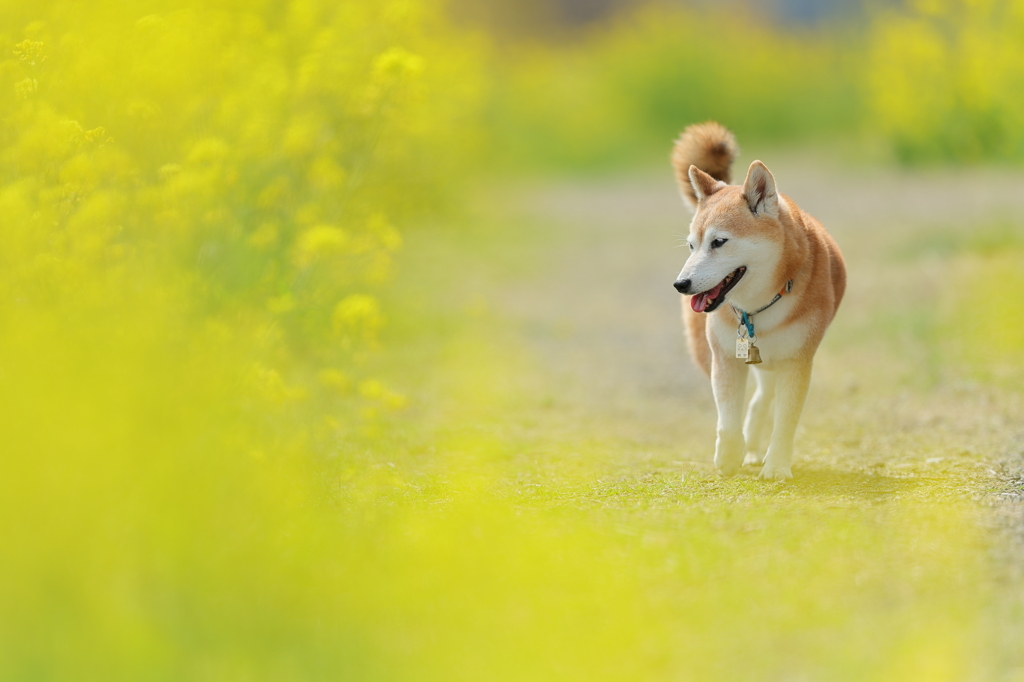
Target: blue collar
{"x": 747, "y": 319}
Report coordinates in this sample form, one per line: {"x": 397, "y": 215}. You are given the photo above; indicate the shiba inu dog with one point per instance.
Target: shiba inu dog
{"x": 761, "y": 284}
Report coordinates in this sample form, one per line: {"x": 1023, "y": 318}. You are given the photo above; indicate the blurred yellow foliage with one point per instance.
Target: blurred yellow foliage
{"x": 235, "y": 155}
{"x": 625, "y": 89}
{"x": 197, "y": 200}
{"x": 930, "y": 80}
{"x": 946, "y": 81}
{"x": 358, "y": 317}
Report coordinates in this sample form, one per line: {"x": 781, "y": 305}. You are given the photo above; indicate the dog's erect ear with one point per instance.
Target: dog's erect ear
{"x": 703, "y": 185}
{"x": 759, "y": 191}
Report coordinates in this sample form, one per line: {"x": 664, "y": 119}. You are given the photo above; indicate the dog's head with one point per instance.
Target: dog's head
{"x": 735, "y": 241}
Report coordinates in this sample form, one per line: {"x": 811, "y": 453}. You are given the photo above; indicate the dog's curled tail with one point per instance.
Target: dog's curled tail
{"x": 708, "y": 146}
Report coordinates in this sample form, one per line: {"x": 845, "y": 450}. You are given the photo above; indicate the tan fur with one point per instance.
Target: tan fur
{"x": 708, "y": 146}
{"x": 777, "y": 243}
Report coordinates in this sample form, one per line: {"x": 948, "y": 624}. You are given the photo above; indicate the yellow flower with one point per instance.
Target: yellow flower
{"x": 319, "y": 242}
{"x": 264, "y": 237}
{"x": 358, "y": 316}
{"x": 24, "y": 89}
{"x": 325, "y": 174}
{"x": 30, "y": 52}
{"x": 384, "y": 232}
{"x": 335, "y": 379}
{"x": 376, "y": 391}
{"x": 208, "y": 151}
{"x": 397, "y": 63}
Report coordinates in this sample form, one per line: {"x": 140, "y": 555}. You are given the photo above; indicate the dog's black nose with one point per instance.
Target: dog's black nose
{"x": 682, "y": 286}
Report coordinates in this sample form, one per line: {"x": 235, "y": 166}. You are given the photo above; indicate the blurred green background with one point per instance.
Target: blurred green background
{"x": 336, "y": 342}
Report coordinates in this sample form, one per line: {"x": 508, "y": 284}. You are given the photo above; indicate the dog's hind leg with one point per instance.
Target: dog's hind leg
{"x": 757, "y": 428}
{"x": 794, "y": 377}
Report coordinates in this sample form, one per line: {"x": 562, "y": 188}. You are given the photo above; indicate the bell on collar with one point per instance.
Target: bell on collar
{"x": 754, "y": 357}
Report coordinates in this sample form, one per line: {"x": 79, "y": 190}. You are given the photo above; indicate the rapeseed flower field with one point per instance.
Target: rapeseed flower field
{"x": 198, "y": 202}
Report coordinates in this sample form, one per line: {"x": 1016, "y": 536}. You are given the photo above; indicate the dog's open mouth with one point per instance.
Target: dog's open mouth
{"x": 707, "y": 301}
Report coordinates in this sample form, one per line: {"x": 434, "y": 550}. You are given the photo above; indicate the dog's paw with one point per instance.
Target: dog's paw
{"x": 729, "y": 450}
{"x": 727, "y": 469}
{"x": 774, "y": 472}
{"x": 752, "y": 458}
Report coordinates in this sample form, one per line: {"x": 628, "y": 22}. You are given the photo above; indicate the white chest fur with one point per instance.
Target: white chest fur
{"x": 777, "y": 336}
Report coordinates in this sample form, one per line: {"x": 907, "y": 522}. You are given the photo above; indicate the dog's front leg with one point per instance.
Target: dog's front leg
{"x": 757, "y": 429}
{"x": 790, "y": 392}
{"x": 729, "y": 383}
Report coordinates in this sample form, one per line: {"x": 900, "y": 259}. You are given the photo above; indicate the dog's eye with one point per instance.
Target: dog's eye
{"x": 718, "y": 242}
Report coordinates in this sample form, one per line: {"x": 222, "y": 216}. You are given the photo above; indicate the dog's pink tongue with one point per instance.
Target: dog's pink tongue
{"x": 700, "y": 301}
